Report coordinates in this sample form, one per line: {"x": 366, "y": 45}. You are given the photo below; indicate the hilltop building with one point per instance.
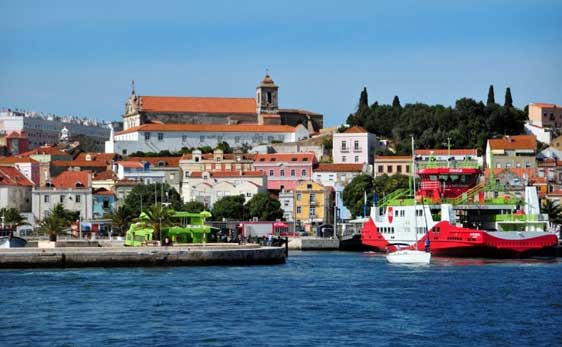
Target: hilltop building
{"x": 263, "y": 110}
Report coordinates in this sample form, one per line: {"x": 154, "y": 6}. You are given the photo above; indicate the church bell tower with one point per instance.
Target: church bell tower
{"x": 266, "y": 96}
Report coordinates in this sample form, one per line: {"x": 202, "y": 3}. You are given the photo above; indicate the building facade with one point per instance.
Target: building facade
{"x": 285, "y": 171}
{"x": 287, "y": 201}
{"x": 355, "y": 145}
{"x": 73, "y": 189}
{"x": 263, "y": 109}
{"x": 217, "y": 161}
{"x": 517, "y": 151}
{"x": 46, "y": 129}
{"x": 313, "y": 203}
{"x": 545, "y": 115}
{"x": 208, "y": 187}
{"x": 174, "y": 137}
{"x": 329, "y": 175}
{"x": 392, "y": 165}
{"x": 15, "y": 189}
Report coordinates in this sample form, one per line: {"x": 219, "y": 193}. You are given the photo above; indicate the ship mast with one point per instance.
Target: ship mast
{"x": 414, "y": 193}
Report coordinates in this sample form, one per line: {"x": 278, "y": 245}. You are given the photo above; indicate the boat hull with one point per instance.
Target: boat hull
{"x": 451, "y": 241}
{"x": 409, "y": 257}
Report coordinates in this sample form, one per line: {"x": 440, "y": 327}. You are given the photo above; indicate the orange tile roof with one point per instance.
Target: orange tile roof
{"x": 103, "y": 191}
{"x": 545, "y": 105}
{"x": 324, "y": 167}
{"x": 198, "y": 105}
{"x": 285, "y": 157}
{"x": 107, "y": 157}
{"x": 557, "y": 192}
{"x": 13, "y": 160}
{"x": 240, "y": 128}
{"x": 170, "y": 161}
{"x": 44, "y": 150}
{"x": 355, "y": 130}
{"x": 10, "y": 176}
{"x": 469, "y": 151}
{"x": 104, "y": 175}
{"x": 130, "y": 163}
{"x": 79, "y": 163}
{"x": 514, "y": 142}
{"x": 393, "y": 157}
{"x": 226, "y": 156}
{"x": 72, "y": 179}
{"x": 229, "y": 174}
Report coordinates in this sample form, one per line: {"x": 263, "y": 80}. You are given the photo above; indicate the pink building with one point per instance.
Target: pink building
{"x": 284, "y": 170}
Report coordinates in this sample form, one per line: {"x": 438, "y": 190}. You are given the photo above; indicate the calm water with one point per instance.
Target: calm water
{"x": 316, "y": 299}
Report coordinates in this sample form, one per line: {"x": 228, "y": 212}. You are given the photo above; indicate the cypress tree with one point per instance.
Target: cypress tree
{"x": 508, "y": 98}
{"x": 396, "y": 102}
{"x": 491, "y": 98}
{"x": 363, "y": 101}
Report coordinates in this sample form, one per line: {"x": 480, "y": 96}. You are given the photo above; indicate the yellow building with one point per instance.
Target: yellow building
{"x": 313, "y": 203}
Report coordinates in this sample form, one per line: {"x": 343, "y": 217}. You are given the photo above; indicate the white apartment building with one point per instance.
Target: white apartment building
{"x": 173, "y": 137}
{"x": 208, "y": 187}
{"x": 46, "y": 129}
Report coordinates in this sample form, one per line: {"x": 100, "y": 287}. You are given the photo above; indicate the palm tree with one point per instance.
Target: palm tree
{"x": 554, "y": 210}
{"x": 157, "y": 217}
{"x": 53, "y": 226}
{"x": 12, "y": 217}
{"x": 120, "y": 219}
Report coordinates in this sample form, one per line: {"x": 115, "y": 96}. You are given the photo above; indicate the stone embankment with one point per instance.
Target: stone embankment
{"x": 313, "y": 243}
{"x": 192, "y": 255}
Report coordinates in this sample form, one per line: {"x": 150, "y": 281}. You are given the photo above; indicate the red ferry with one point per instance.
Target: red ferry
{"x": 461, "y": 217}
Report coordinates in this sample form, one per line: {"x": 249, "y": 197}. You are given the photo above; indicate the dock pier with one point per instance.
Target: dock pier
{"x": 79, "y": 257}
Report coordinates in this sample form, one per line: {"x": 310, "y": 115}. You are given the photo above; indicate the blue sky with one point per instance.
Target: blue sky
{"x": 78, "y": 57}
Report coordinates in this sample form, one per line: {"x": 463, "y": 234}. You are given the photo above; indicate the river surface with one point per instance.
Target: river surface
{"x": 316, "y": 299}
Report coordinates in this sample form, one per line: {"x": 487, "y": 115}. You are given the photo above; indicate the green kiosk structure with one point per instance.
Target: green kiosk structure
{"x": 187, "y": 228}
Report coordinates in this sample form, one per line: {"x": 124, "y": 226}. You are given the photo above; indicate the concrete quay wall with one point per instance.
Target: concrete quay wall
{"x": 68, "y": 257}
{"x": 313, "y": 243}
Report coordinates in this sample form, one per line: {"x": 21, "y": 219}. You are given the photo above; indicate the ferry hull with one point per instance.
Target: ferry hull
{"x": 451, "y": 241}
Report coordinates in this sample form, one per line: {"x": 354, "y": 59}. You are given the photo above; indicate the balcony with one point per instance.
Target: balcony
{"x": 344, "y": 150}
{"x": 357, "y": 150}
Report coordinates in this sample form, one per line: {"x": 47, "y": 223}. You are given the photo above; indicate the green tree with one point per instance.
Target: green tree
{"x": 508, "y": 99}
{"x": 354, "y": 194}
{"x": 229, "y": 207}
{"x": 120, "y": 217}
{"x": 156, "y": 217}
{"x": 327, "y": 142}
{"x": 53, "y": 226}
{"x": 66, "y": 215}
{"x": 264, "y": 207}
{"x": 193, "y": 207}
{"x": 224, "y": 146}
{"x": 491, "y": 99}
{"x": 554, "y": 210}
{"x": 12, "y": 217}
{"x": 396, "y": 102}
{"x": 206, "y": 149}
{"x": 146, "y": 195}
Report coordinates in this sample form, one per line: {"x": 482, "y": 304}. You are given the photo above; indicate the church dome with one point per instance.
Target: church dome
{"x": 267, "y": 82}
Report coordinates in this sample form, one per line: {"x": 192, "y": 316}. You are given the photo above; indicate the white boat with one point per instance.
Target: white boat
{"x": 410, "y": 256}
